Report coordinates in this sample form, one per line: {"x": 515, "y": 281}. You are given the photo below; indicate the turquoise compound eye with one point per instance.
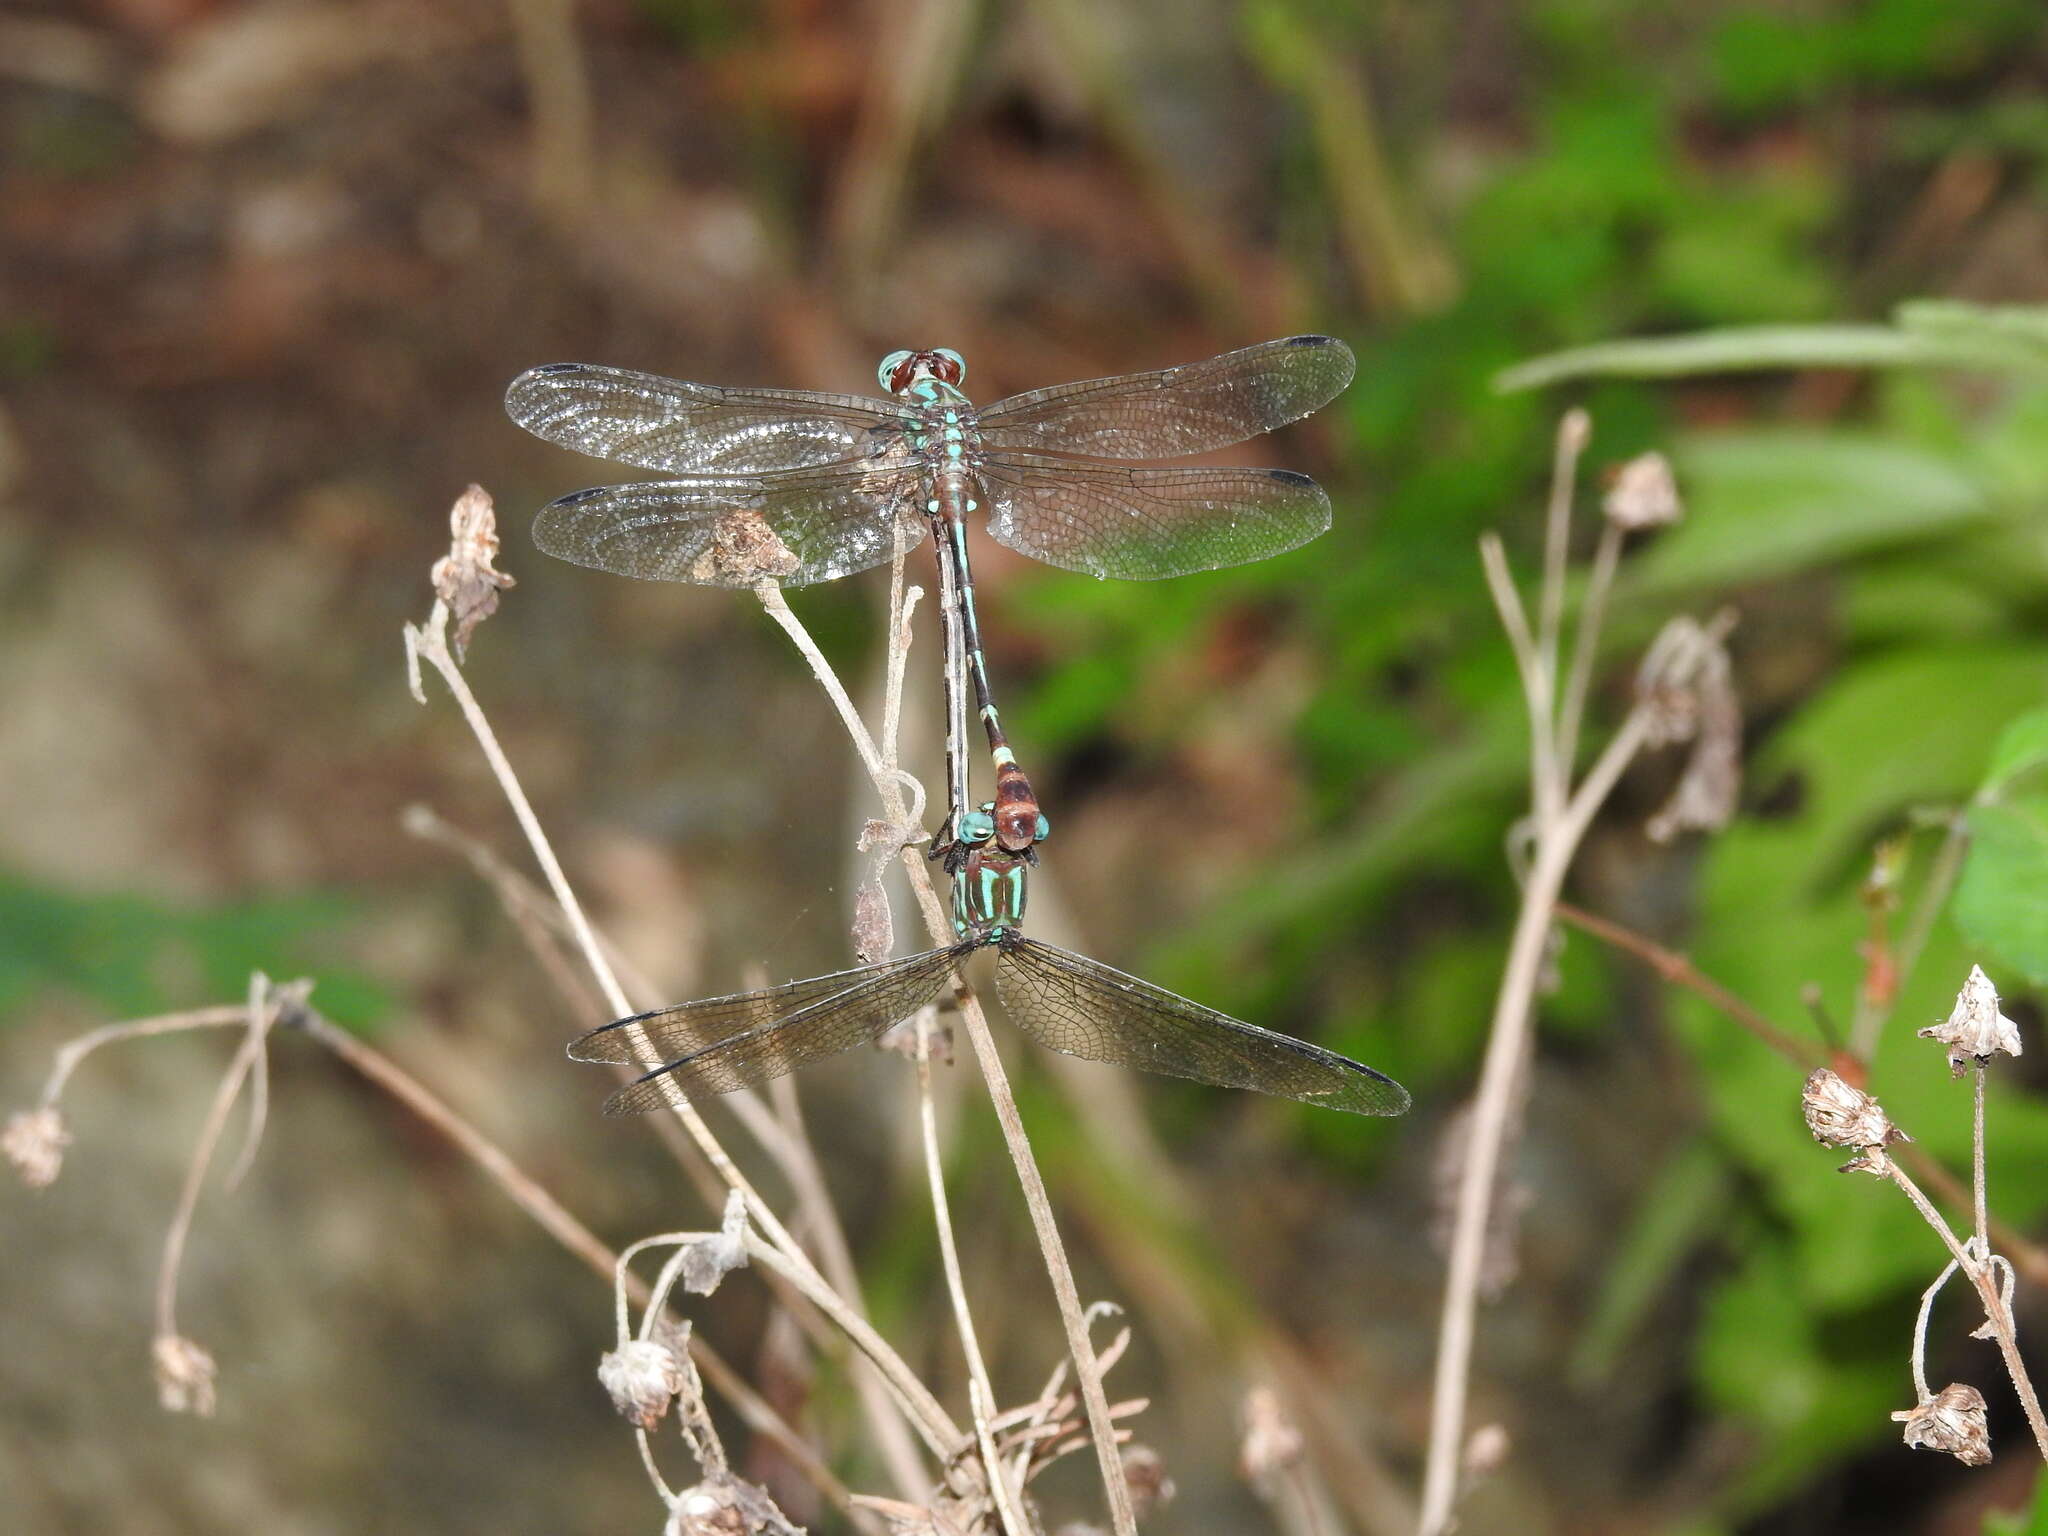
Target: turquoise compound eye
{"x": 977, "y": 827}
{"x": 890, "y": 364}
{"x": 1043, "y": 830}
{"x": 959, "y": 363}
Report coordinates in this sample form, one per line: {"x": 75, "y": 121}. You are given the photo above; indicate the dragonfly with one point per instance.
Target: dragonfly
{"x": 1061, "y": 999}
{"x": 797, "y": 486}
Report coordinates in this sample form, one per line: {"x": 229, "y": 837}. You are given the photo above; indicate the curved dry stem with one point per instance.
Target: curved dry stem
{"x": 1102, "y": 1429}
{"x": 981, "y": 1396}
{"x": 1557, "y": 841}
{"x": 431, "y": 643}
{"x": 259, "y": 1014}
{"x": 1984, "y": 1276}
{"x": 72, "y": 1052}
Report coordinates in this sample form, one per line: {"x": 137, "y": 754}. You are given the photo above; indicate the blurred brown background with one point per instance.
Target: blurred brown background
{"x": 265, "y": 269}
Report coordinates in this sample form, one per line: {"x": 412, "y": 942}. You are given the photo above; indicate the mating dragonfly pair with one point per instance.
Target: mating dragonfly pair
{"x": 793, "y": 487}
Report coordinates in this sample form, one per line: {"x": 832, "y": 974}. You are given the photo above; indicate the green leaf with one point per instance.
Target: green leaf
{"x": 2023, "y": 748}
{"x": 1760, "y": 348}
{"x": 2001, "y": 902}
{"x": 1762, "y": 504}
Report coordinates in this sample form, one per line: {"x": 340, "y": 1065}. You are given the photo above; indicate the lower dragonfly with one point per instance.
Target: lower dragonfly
{"x": 796, "y": 486}
{"x": 1065, "y": 1001}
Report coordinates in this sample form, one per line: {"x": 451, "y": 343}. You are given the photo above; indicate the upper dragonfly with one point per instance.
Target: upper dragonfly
{"x": 795, "y": 486}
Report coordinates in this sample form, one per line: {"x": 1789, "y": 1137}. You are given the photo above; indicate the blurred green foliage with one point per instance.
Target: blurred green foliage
{"x": 1915, "y": 526}
{"x": 130, "y": 956}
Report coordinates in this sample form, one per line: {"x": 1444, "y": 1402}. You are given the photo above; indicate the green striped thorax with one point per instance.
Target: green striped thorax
{"x": 989, "y": 893}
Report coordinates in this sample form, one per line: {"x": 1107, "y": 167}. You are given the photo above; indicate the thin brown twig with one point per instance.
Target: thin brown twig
{"x": 1087, "y": 1367}
{"x": 1983, "y": 1276}
{"x": 981, "y": 1395}
{"x": 1679, "y": 970}
{"x": 429, "y": 642}
{"x": 260, "y": 1013}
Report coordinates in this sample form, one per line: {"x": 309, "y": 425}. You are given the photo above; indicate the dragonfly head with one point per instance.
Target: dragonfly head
{"x": 902, "y": 372}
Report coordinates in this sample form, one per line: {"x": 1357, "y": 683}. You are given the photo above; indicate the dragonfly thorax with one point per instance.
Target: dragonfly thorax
{"x": 988, "y": 894}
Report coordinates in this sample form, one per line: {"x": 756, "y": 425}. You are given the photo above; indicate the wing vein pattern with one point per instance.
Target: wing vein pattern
{"x": 1084, "y": 1008}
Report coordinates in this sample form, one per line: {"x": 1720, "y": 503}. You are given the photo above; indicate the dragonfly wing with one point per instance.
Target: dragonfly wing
{"x": 1140, "y": 524}
{"x": 742, "y": 1041}
{"x": 1084, "y": 1008}
{"x": 682, "y": 428}
{"x": 1175, "y": 411}
{"x": 791, "y": 528}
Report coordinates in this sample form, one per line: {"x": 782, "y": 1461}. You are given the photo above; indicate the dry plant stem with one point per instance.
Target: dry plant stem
{"x": 1557, "y": 840}
{"x": 1921, "y": 1392}
{"x": 799, "y": 1162}
{"x": 431, "y": 642}
{"x": 1983, "y": 1275}
{"x": 802, "y": 1171}
{"x": 1087, "y": 1368}
{"x": 565, "y": 1229}
{"x": 1977, "y": 1188}
{"x": 1546, "y": 791}
{"x": 73, "y": 1052}
{"x": 941, "y": 1435}
{"x": 258, "y": 1015}
{"x": 1557, "y": 537}
{"x": 1680, "y": 971}
{"x": 1592, "y": 614}
{"x": 981, "y": 1396}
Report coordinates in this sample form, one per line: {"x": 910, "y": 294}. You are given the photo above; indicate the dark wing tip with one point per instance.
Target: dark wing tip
{"x": 1291, "y": 477}
{"x": 1313, "y": 340}
{"x": 1395, "y": 1100}
{"x": 559, "y": 368}
{"x": 574, "y": 498}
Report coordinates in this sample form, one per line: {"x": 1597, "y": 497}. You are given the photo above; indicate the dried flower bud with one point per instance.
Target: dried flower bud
{"x": 1976, "y": 1030}
{"x": 1146, "y": 1476}
{"x": 902, "y": 1036}
{"x": 1487, "y": 1450}
{"x": 34, "y": 1141}
{"x": 1840, "y": 1115}
{"x": 643, "y": 1378}
{"x": 727, "y": 1506}
{"x": 463, "y": 578}
{"x": 710, "y": 1259}
{"x": 1643, "y": 495}
{"x": 1271, "y": 1445}
{"x": 184, "y": 1375}
{"x": 1685, "y": 689}
{"x": 1953, "y": 1421}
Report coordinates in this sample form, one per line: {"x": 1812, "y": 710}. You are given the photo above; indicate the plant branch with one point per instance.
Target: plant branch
{"x": 1087, "y": 1368}
{"x": 1557, "y": 840}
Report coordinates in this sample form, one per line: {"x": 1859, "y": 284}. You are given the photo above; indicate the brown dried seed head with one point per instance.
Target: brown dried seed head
{"x": 1840, "y": 1115}
{"x": 1643, "y": 495}
{"x": 1975, "y": 1030}
{"x": 1953, "y": 1421}
{"x": 642, "y": 1378}
{"x": 710, "y": 1259}
{"x": 1146, "y": 1476}
{"x": 184, "y": 1375}
{"x": 464, "y": 578}
{"x": 1271, "y": 1442}
{"x": 34, "y": 1141}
